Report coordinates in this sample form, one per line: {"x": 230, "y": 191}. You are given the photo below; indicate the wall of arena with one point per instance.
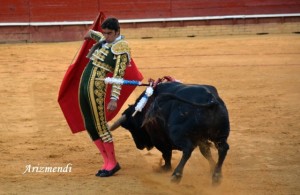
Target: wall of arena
{"x": 64, "y": 20}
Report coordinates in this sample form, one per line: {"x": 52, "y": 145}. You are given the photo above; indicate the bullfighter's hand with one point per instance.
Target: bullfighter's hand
{"x": 112, "y": 105}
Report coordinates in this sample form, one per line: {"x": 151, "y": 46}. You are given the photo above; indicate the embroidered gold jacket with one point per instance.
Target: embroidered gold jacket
{"x": 112, "y": 57}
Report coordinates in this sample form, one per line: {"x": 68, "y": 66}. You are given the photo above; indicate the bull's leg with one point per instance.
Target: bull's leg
{"x": 167, "y": 155}
{"x": 187, "y": 149}
{"x": 205, "y": 151}
{"x": 166, "y": 151}
{"x": 177, "y": 174}
{"x": 222, "y": 147}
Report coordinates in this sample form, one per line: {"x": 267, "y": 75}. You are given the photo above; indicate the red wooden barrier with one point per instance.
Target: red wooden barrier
{"x": 31, "y": 11}
{"x": 85, "y": 10}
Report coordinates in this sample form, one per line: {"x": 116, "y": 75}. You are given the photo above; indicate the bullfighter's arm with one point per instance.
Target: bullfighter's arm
{"x": 96, "y": 35}
{"x": 122, "y": 53}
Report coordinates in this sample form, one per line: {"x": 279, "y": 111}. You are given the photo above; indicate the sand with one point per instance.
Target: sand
{"x": 258, "y": 77}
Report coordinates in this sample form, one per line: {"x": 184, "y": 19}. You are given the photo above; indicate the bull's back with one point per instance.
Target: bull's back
{"x": 193, "y": 93}
{"x": 212, "y": 121}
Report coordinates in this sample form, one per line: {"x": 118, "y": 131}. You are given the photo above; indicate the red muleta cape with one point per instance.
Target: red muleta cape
{"x": 68, "y": 92}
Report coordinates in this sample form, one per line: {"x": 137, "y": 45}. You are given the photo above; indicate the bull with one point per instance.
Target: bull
{"x": 181, "y": 117}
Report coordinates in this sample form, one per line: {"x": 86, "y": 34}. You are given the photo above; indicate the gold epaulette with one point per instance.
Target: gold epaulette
{"x": 121, "y": 47}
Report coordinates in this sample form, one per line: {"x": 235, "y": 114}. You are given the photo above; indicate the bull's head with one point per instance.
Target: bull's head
{"x": 134, "y": 125}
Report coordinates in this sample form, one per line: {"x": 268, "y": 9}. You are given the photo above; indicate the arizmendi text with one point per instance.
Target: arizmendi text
{"x": 47, "y": 169}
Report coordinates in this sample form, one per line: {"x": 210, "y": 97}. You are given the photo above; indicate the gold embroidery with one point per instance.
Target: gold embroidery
{"x": 97, "y": 91}
{"x": 117, "y": 65}
{"x": 121, "y": 47}
{"x": 96, "y": 35}
{"x": 102, "y": 65}
{"x": 119, "y": 73}
{"x": 93, "y": 100}
{"x": 104, "y": 51}
{"x": 100, "y": 54}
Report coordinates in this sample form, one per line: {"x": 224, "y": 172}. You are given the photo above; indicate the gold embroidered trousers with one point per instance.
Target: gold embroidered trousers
{"x": 92, "y": 102}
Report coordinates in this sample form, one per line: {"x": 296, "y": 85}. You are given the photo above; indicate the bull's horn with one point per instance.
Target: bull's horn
{"x": 117, "y": 123}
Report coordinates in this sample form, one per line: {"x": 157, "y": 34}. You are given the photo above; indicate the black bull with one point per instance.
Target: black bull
{"x": 182, "y": 117}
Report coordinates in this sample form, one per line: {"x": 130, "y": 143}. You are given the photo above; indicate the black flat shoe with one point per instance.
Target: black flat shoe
{"x": 99, "y": 172}
{"x": 107, "y": 173}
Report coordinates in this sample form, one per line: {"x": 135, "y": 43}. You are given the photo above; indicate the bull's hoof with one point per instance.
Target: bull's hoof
{"x": 161, "y": 169}
{"x": 176, "y": 177}
{"x": 216, "y": 179}
{"x": 212, "y": 168}
{"x": 166, "y": 168}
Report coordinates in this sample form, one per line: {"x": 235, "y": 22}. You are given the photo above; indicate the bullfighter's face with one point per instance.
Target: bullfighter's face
{"x": 110, "y": 35}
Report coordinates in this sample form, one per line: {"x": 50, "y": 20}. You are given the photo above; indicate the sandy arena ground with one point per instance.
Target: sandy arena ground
{"x": 257, "y": 76}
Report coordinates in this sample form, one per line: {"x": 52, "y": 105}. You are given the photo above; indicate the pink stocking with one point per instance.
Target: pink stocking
{"x": 110, "y": 151}
{"x": 100, "y": 146}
